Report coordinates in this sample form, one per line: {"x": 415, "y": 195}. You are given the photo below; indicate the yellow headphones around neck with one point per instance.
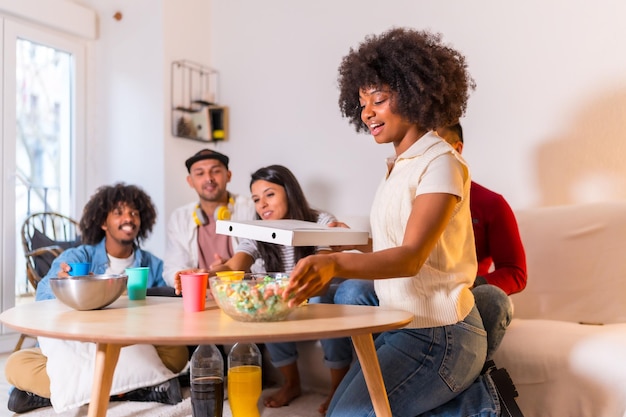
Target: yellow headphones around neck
{"x": 220, "y": 213}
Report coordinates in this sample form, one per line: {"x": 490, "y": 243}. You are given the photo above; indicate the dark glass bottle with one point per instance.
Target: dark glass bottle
{"x": 207, "y": 382}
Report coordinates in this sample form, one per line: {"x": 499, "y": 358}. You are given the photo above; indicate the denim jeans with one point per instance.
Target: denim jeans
{"x": 337, "y": 352}
{"x": 496, "y": 311}
{"x": 492, "y": 303}
{"x": 350, "y": 292}
{"x": 468, "y": 402}
{"x": 433, "y": 370}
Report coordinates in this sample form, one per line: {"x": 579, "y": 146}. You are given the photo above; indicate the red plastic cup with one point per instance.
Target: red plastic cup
{"x": 194, "y": 291}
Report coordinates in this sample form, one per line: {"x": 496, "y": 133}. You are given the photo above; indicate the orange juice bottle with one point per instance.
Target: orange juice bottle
{"x": 244, "y": 380}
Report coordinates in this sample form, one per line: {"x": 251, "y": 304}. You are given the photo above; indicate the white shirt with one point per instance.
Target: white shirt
{"x": 182, "y": 236}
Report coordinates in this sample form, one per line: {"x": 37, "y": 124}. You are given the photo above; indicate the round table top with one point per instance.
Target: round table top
{"x": 161, "y": 320}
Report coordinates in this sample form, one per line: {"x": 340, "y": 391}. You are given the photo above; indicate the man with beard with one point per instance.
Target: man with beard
{"x": 113, "y": 224}
{"x": 192, "y": 243}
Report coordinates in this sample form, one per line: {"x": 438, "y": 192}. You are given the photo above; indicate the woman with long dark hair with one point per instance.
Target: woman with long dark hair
{"x": 277, "y": 195}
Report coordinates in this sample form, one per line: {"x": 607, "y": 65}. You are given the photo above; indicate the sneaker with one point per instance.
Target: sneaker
{"x": 184, "y": 379}
{"x": 167, "y": 392}
{"x": 22, "y": 401}
{"x": 506, "y": 392}
{"x": 489, "y": 366}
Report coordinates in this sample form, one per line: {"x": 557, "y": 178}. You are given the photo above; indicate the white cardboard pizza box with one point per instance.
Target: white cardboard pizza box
{"x": 292, "y": 232}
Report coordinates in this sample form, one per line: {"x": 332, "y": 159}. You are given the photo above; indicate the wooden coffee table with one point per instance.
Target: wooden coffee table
{"x": 161, "y": 321}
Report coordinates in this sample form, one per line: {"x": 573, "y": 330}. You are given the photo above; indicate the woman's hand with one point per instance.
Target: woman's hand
{"x": 219, "y": 264}
{"x": 361, "y": 248}
{"x": 339, "y": 248}
{"x": 310, "y": 277}
{"x": 338, "y": 224}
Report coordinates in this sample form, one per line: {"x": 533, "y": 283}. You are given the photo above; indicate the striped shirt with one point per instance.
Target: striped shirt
{"x": 287, "y": 253}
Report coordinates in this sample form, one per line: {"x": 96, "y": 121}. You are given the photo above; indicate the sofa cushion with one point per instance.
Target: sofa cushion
{"x": 44, "y": 261}
{"x": 549, "y": 361}
{"x": 602, "y": 359}
{"x": 576, "y": 263}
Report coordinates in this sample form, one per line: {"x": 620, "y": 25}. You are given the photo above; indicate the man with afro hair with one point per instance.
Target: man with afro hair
{"x": 115, "y": 221}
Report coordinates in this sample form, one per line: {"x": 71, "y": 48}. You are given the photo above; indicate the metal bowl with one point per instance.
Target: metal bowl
{"x": 89, "y": 292}
{"x": 256, "y": 297}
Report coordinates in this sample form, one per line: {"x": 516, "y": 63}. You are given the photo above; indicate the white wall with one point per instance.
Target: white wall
{"x": 545, "y": 125}
{"x": 187, "y": 37}
{"x": 130, "y": 115}
{"x": 127, "y": 99}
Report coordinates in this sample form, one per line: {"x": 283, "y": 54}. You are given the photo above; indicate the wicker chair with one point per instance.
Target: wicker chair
{"x": 44, "y": 236}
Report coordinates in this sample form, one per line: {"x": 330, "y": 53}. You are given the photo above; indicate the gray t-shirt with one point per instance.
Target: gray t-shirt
{"x": 288, "y": 252}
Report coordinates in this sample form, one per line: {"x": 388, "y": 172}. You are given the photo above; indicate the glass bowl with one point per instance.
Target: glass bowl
{"x": 255, "y": 297}
{"x": 88, "y": 292}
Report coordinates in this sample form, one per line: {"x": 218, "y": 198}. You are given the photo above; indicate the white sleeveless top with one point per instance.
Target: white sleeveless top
{"x": 440, "y": 292}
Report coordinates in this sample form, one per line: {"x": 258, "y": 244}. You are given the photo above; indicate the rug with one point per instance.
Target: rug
{"x": 304, "y": 406}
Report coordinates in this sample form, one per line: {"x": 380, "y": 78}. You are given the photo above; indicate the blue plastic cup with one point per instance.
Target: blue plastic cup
{"x": 79, "y": 268}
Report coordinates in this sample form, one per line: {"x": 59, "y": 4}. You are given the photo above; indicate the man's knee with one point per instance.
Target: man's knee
{"x": 26, "y": 370}
{"x": 174, "y": 358}
{"x": 490, "y": 298}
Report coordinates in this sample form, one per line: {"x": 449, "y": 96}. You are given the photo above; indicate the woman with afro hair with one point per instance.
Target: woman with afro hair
{"x": 399, "y": 86}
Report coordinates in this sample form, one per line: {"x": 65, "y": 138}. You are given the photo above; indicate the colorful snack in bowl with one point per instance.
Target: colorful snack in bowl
{"x": 254, "y": 300}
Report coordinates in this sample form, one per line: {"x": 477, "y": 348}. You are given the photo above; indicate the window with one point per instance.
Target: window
{"x": 43, "y": 137}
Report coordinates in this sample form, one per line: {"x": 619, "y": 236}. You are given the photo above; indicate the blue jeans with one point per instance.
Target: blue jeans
{"x": 492, "y": 303}
{"x": 434, "y": 370}
{"x": 336, "y": 353}
{"x": 350, "y": 292}
{"x": 496, "y": 311}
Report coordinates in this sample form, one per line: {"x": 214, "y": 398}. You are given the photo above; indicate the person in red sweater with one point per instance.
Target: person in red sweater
{"x": 498, "y": 242}
{"x": 499, "y": 250}
{"x": 496, "y": 234}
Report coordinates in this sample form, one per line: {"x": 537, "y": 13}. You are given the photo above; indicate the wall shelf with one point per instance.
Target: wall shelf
{"x": 196, "y": 113}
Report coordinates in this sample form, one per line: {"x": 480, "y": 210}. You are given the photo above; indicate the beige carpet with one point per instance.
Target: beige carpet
{"x": 304, "y": 406}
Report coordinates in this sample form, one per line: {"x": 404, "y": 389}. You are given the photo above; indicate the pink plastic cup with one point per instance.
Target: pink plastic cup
{"x": 194, "y": 291}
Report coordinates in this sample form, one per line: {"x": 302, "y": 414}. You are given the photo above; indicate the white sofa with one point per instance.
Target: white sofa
{"x": 576, "y": 274}
{"x": 566, "y": 346}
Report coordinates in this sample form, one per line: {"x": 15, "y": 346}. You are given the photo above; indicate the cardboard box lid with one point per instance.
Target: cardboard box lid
{"x": 292, "y": 232}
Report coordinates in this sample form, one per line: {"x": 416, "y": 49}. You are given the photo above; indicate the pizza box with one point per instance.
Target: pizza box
{"x": 292, "y": 232}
